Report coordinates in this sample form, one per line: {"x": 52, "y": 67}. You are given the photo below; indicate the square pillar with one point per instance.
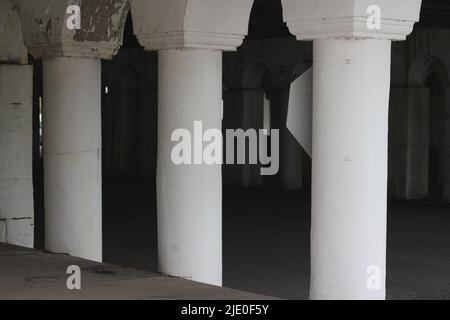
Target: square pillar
{"x": 16, "y": 180}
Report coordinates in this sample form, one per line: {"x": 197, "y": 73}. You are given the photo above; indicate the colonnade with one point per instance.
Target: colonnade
{"x": 350, "y": 119}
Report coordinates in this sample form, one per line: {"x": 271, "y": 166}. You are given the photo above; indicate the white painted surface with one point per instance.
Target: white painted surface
{"x": 349, "y": 176}
{"x": 325, "y": 19}
{"x": 299, "y": 118}
{"x": 350, "y": 124}
{"x": 72, "y": 156}
{"x": 189, "y": 197}
{"x": 219, "y": 24}
{"x": 16, "y": 185}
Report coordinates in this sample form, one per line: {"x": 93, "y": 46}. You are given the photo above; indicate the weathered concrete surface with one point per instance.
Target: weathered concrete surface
{"x": 31, "y": 274}
{"x": 12, "y": 49}
{"x": 45, "y": 30}
{"x": 16, "y": 186}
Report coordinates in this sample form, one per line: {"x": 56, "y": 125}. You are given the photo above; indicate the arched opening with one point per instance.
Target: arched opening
{"x": 129, "y": 135}
{"x": 427, "y": 158}
{"x": 265, "y": 224}
{"x": 436, "y": 141}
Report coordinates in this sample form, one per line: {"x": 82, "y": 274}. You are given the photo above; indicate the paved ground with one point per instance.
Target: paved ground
{"x": 30, "y": 274}
{"x": 266, "y": 240}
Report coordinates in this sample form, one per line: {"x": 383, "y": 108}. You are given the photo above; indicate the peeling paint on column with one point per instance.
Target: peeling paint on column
{"x": 46, "y": 33}
{"x": 44, "y": 23}
{"x": 101, "y": 20}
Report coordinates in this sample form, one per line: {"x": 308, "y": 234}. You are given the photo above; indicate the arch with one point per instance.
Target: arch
{"x": 421, "y": 71}
{"x": 423, "y": 67}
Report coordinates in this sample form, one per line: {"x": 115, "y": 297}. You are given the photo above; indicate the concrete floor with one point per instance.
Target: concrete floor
{"x": 32, "y": 274}
{"x": 266, "y": 240}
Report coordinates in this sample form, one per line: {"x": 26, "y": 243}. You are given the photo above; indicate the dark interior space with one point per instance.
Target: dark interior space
{"x": 436, "y": 137}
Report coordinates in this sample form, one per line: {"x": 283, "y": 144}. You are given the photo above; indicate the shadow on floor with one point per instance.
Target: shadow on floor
{"x": 266, "y": 240}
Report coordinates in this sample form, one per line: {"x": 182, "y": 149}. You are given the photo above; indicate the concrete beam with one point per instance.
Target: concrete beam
{"x": 325, "y": 19}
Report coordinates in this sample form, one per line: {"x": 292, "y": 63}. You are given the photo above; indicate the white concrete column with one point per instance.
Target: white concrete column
{"x": 16, "y": 180}
{"x": 189, "y": 197}
{"x": 190, "y": 37}
{"x": 72, "y": 115}
{"x": 72, "y": 156}
{"x": 349, "y": 176}
{"x": 351, "y": 82}
{"x": 16, "y": 93}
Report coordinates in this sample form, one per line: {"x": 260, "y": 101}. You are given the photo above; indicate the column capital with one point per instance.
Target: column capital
{"x": 357, "y": 19}
{"x": 196, "y": 24}
{"x": 46, "y": 31}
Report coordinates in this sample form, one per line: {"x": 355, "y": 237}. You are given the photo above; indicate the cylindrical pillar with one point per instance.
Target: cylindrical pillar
{"x": 349, "y": 178}
{"x": 72, "y": 156}
{"x": 189, "y": 196}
